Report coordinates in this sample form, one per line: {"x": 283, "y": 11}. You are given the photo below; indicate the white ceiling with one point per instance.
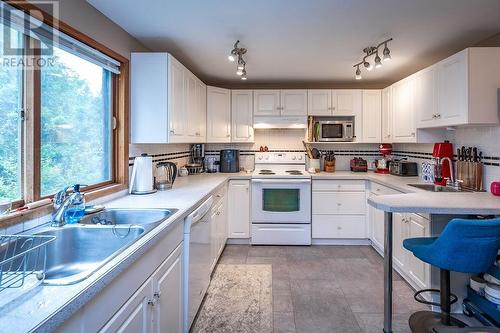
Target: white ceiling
{"x": 313, "y": 42}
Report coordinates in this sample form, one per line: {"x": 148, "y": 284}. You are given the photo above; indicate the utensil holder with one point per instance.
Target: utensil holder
{"x": 314, "y": 163}
{"x": 329, "y": 166}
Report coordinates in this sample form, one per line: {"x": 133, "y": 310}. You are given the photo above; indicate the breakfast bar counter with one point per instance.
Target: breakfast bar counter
{"x": 460, "y": 203}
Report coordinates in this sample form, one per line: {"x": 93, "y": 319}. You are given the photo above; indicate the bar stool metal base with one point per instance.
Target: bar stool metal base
{"x": 425, "y": 321}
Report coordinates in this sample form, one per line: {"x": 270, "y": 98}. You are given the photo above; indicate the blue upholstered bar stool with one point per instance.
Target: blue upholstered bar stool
{"x": 467, "y": 246}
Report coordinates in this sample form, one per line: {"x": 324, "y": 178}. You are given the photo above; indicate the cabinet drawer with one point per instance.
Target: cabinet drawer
{"x": 339, "y": 185}
{"x": 382, "y": 190}
{"x": 338, "y": 226}
{"x": 345, "y": 203}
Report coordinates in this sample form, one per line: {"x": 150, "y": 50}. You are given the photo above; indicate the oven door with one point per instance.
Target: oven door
{"x": 281, "y": 200}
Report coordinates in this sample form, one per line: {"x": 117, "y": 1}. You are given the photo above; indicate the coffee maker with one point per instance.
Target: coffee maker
{"x": 197, "y": 153}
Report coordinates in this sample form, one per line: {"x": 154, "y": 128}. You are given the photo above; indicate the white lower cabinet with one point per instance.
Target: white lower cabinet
{"x": 218, "y": 225}
{"x": 239, "y": 209}
{"x": 156, "y": 306}
{"x": 136, "y": 315}
{"x": 338, "y": 209}
{"x": 419, "y": 271}
{"x": 376, "y": 217}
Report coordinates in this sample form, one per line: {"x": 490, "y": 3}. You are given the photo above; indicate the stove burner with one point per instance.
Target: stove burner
{"x": 294, "y": 172}
{"x": 266, "y": 172}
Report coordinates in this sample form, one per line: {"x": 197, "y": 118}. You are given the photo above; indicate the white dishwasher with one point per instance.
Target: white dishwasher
{"x": 196, "y": 260}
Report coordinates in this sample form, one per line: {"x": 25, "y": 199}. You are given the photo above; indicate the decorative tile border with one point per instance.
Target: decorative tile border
{"x": 164, "y": 157}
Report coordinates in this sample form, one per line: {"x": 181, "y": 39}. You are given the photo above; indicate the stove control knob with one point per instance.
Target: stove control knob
{"x": 300, "y": 157}
{"x": 260, "y": 157}
{"x": 267, "y": 157}
{"x": 294, "y": 158}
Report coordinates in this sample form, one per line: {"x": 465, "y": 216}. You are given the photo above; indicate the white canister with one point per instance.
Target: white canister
{"x": 141, "y": 181}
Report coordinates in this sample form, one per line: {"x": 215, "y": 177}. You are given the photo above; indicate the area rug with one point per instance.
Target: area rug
{"x": 239, "y": 299}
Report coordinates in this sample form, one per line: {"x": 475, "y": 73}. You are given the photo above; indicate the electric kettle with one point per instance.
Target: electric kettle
{"x": 166, "y": 172}
{"x": 141, "y": 181}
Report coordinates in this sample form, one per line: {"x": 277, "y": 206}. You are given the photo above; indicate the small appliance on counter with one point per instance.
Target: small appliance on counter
{"x": 403, "y": 168}
{"x": 141, "y": 181}
{"x": 382, "y": 164}
{"x": 358, "y": 164}
{"x": 211, "y": 164}
{"x": 443, "y": 155}
{"x": 229, "y": 160}
{"x": 166, "y": 172}
{"x": 197, "y": 153}
{"x": 495, "y": 188}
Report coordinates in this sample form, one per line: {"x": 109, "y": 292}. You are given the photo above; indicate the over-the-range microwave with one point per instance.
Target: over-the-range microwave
{"x": 335, "y": 130}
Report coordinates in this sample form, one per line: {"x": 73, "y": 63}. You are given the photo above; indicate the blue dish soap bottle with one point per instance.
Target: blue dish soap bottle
{"x": 76, "y": 209}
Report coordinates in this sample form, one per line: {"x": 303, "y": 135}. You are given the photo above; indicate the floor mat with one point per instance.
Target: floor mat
{"x": 239, "y": 299}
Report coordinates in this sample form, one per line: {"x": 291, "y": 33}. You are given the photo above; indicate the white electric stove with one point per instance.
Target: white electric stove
{"x": 281, "y": 199}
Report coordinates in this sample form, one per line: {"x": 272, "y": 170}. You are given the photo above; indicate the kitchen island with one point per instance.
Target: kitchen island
{"x": 431, "y": 203}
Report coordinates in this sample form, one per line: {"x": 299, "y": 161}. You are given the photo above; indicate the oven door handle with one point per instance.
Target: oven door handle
{"x": 281, "y": 181}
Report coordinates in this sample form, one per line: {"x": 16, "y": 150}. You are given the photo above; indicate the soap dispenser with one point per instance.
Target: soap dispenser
{"x": 76, "y": 208}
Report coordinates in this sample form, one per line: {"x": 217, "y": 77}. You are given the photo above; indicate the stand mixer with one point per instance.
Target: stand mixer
{"x": 382, "y": 164}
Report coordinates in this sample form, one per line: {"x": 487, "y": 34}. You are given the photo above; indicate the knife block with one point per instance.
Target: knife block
{"x": 471, "y": 175}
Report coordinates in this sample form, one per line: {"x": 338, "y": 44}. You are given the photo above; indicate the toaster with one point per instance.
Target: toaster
{"x": 403, "y": 168}
{"x": 359, "y": 165}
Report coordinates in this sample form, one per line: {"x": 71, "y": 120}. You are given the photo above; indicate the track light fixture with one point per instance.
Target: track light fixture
{"x": 237, "y": 54}
{"x": 373, "y": 50}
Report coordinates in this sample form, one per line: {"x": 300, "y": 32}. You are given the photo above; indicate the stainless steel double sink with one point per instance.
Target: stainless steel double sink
{"x": 81, "y": 249}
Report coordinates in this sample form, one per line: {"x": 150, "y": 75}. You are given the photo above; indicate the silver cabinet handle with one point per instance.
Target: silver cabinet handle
{"x": 157, "y": 295}
{"x": 152, "y": 302}
{"x": 413, "y": 134}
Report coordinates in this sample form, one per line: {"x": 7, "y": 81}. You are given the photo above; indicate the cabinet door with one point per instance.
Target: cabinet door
{"x": 346, "y": 102}
{"x": 372, "y": 116}
{"x": 426, "y": 98}
{"x": 419, "y": 271}
{"x": 135, "y": 316}
{"x": 453, "y": 90}
{"x": 177, "y": 96}
{"x": 218, "y": 115}
{"x": 294, "y": 102}
{"x": 319, "y": 102}
{"x": 387, "y": 115}
{"x": 238, "y": 214}
{"x": 403, "y": 113}
{"x": 192, "y": 123}
{"x": 399, "y": 231}
{"x": 214, "y": 236}
{"x": 242, "y": 116}
{"x": 266, "y": 103}
{"x": 201, "y": 111}
{"x": 167, "y": 281}
{"x": 377, "y": 224}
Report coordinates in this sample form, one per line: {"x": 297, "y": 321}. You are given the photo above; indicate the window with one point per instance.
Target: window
{"x": 76, "y": 117}
{"x": 63, "y": 116}
{"x": 11, "y": 85}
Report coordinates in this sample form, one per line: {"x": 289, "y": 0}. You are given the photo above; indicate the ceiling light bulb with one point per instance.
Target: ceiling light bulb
{"x": 231, "y": 58}
{"x": 240, "y": 67}
{"x": 358, "y": 73}
{"x": 239, "y": 72}
{"x": 378, "y": 62}
{"x": 387, "y": 54}
{"x": 244, "y": 77}
{"x": 368, "y": 66}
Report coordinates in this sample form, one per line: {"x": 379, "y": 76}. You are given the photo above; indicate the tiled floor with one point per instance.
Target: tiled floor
{"x": 327, "y": 288}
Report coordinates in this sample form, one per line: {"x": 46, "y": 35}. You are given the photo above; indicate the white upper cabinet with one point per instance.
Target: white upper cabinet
{"x": 280, "y": 103}
{"x": 319, "y": 102}
{"x": 167, "y": 101}
{"x": 242, "y": 116}
{"x": 346, "y": 102}
{"x": 372, "y": 116}
{"x": 459, "y": 90}
{"x": 426, "y": 96}
{"x": 218, "y": 115}
{"x": 387, "y": 115}
{"x": 452, "y": 90}
{"x": 403, "y": 111}
{"x": 266, "y": 103}
{"x": 293, "y": 102}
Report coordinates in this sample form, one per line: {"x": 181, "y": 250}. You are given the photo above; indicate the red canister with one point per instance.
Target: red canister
{"x": 495, "y": 188}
